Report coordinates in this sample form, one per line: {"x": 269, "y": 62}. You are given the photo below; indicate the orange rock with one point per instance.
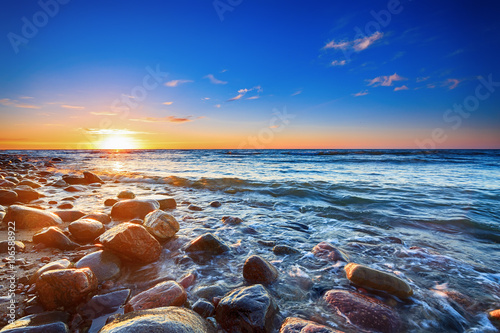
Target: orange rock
{"x": 298, "y": 325}
{"x": 85, "y": 229}
{"x": 327, "y": 251}
{"x": 168, "y": 293}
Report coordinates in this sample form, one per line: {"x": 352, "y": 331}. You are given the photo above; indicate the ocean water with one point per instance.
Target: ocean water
{"x": 431, "y": 217}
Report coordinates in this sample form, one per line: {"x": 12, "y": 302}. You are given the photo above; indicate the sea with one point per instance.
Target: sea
{"x": 430, "y": 217}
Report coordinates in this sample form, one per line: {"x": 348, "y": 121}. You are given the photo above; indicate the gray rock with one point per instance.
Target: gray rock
{"x": 102, "y": 304}
{"x": 104, "y": 264}
{"x": 284, "y": 249}
{"x": 258, "y": 270}
{"x": 204, "y": 308}
{"x": 45, "y": 322}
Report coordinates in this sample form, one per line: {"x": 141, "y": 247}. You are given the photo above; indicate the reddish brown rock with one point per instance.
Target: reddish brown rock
{"x": 365, "y": 312}
{"x": 7, "y": 197}
{"x": 298, "y": 325}
{"x": 59, "y": 264}
{"x": 54, "y": 237}
{"x": 207, "y": 244}
{"x": 91, "y": 178}
{"x": 29, "y": 183}
{"x": 69, "y": 215}
{"x": 31, "y": 218}
{"x": 110, "y": 202}
{"x": 168, "y": 293}
{"x": 329, "y": 252}
{"x": 127, "y": 194}
{"x": 65, "y": 205}
{"x": 161, "y": 225}
{"x": 85, "y": 230}
{"x": 131, "y": 209}
{"x": 101, "y": 217}
{"x": 231, "y": 220}
{"x": 6, "y": 183}
{"x": 65, "y": 287}
{"x": 26, "y": 193}
{"x": 131, "y": 242}
{"x": 258, "y": 270}
{"x": 379, "y": 280}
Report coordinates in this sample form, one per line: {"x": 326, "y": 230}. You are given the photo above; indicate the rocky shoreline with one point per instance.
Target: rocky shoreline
{"x": 62, "y": 264}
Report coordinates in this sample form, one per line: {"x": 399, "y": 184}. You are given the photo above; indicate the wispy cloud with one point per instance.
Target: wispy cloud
{"x": 17, "y": 104}
{"x": 242, "y": 93}
{"x": 452, "y": 83}
{"x": 423, "y": 78}
{"x": 205, "y": 98}
{"x": 361, "y": 93}
{"x": 168, "y": 119}
{"x": 103, "y": 113}
{"x": 6, "y": 101}
{"x": 356, "y": 45}
{"x": 254, "y": 97}
{"x": 385, "y": 81}
{"x": 167, "y": 103}
{"x": 213, "y": 79}
{"x": 217, "y": 105}
{"x": 175, "y": 83}
{"x": 403, "y": 87}
{"x": 75, "y": 107}
{"x": 26, "y": 97}
{"x": 27, "y": 106}
{"x": 298, "y": 92}
{"x": 338, "y": 63}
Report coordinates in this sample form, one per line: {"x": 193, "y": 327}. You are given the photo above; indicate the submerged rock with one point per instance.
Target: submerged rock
{"x": 65, "y": 287}
{"x": 231, "y": 220}
{"x": 7, "y": 197}
{"x": 258, "y": 270}
{"x": 104, "y": 264}
{"x": 329, "y": 252}
{"x": 45, "y": 322}
{"x": 132, "y": 209}
{"x": 247, "y": 309}
{"x": 59, "y": 264}
{"x": 54, "y": 237}
{"x": 127, "y": 194}
{"x": 86, "y": 230}
{"x": 284, "y": 249}
{"x": 168, "y": 293}
{"x": 161, "y": 225}
{"x": 131, "y": 242}
{"x": 207, "y": 243}
{"x": 167, "y": 319}
{"x": 379, "y": 280}
{"x": 298, "y": 325}
{"x": 365, "y": 312}
{"x": 215, "y": 204}
{"x": 195, "y": 208}
{"x": 31, "y": 218}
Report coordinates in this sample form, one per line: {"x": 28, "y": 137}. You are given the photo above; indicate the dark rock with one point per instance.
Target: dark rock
{"x": 26, "y": 193}
{"x": 231, "y": 220}
{"x": 126, "y": 195}
{"x": 209, "y": 292}
{"x": 167, "y": 293}
{"x": 101, "y": 217}
{"x": 56, "y": 159}
{"x": 207, "y": 243}
{"x": 131, "y": 242}
{"x": 379, "y": 280}
{"x": 65, "y": 287}
{"x": 104, "y": 264}
{"x": 247, "y": 309}
{"x": 195, "y": 208}
{"x": 75, "y": 188}
{"x": 204, "y": 308}
{"x": 161, "y": 225}
{"x": 69, "y": 215}
{"x": 169, "y": 319}
{"x": 329, "y": 252}
{"x": 365, "y": 312}
{"x": 45, "y": 322}
{"x": 59, "y": 264}
{"x": 7, "y": 197}
{"x": 134, "y": 208}
{"x": 30, "y": 218}
{"x": 215, "y": 204}
{"x": 298, "y": 325}
{"x": 29, "y": 183}
{"x": 284, "y": 249}
{"x": 8, "y": 246}
{"x": 494, "y": 317}
{"x": 266, "y": 243}
{"x": 6, "y": 183}
{"x": 92, "y": 178}
{"x": 103, "y": 304}
{"x": 258, "y": 270}
{"x": 54, "y": 237}
{"x": 65, "y": 205}
{"x": 110, "y": 202}
{"x": 85, "y": 230}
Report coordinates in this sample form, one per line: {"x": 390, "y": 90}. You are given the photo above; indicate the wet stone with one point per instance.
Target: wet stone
{"x": 195, "y": 208}
{"x": 231, "y": 220}
{"x": 208, "y": 244}
{"x": 284, "y": 250}
{"x": 126, "y": 195}
{"x": 110, "y": 202}
{"x": 101, "y": 217}
{"x": 161, "y": 225}
{"x": 258, "y": 270}
{"x": 26, "y": 193}
{"x": 59, "y": 264}
{"x": 7, "y": 246}
{"x": 215, "y": 204}
{"x": 7, "y": 197}
{"x": 103, "y": 304}
{"x": 69, "y": 215}
{"x": 327, "y": 251}
{"x": 85, "y": 230}
{"x": 298, "y": 325}
{"x": 168, "y": 293}
{"x": 54, "y": 237}
{"x": 104, "y": 264}
{"x": 45, "y": 322}
{"x": 204, "y": 308}
{"x": 134, "y": 208}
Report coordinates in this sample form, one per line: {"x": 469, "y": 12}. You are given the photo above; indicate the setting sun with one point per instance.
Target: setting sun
{"x": 117, "y": 141}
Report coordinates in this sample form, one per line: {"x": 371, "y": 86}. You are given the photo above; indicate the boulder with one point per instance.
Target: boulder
{"x": 45, "y": 322}
{"x": 372, "y": 278}
{"x": 7, "y": 197}
{"x": 91, "y": 178}
{"x": 298, "y": 325}
{"x": 103, "y": 304}
{"x": 59, "y": 264}
{"x": 247, "y": 309}
{"x": 161, "y": 225}
{"x": 104, "y": 264}
{"x": 69, "y": 215}
{"x": 207, "y": 243}
{"x": 54, "y": 237}
{"x": 126, "y": 195}
{"x": 86, "y": 230}
{"x": 65, "y": 287}
{"x": 131, "y": 242}
{"x": 31, "y": 218}
{"x": 258, "y": 270}
{"x": 26, "y": 193}
{"x": 29, "y": 183}
{"x": 231, "y": 220}
{"x": 8, "y": 246}
{"x": 329, "y": 252}
{"x": 132, "y": 209}
{"x": 362, "y": 311}
{"x": 167, "y": 319}
{"x": 101, "y": 217}
{"x": 167, "y": 293}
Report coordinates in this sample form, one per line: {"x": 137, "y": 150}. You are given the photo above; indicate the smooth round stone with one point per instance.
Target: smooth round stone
{"x": 69, "y": 215}
{"x": 231, "y": 220}
{"x": 45, "y": 322}
{"x": 101, "y": 217}
{"x": 29, "y": 183}
{"x": 104, "y": 264}
{"x": 105, "y": 303}
{"x": 7, "y": 197}
{"x": 26, "y": 193}
{"x": 168, "y": 293}
{"x": 215, "y": 204}
{"x": 327, "y": 251}
{"x": 54, "y": 237}
{"x": 298, "y": 325}
{"x": 59, "y": 264}
{"x": 195, "y": 208}
{"x": 134, "y": 208}
{"x": 110, "y": 202}
{"x": 161, "y": 225}
{"x": 284, "y": 249}
{"x": 126, "y": 195}
{"x": 258, "y": 270}
{"x": 86, "y": 230}
{"x": 204, "y": 308}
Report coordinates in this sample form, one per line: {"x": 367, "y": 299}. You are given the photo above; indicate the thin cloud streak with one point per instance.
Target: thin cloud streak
{"x": 168, "y": 119}
{"x": 385, "y": 81}
{"x": 175, "y": 83}
{"x": 214, "y": 80}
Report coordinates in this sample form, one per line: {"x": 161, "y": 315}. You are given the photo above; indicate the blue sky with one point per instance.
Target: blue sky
{"x": 368, "y": 74}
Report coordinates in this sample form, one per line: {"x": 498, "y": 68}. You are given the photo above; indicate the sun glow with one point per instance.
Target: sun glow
{"x": 118, "y": 142}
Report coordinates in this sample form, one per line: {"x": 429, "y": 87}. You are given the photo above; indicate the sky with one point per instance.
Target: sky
{"x": 249, "y": 74}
